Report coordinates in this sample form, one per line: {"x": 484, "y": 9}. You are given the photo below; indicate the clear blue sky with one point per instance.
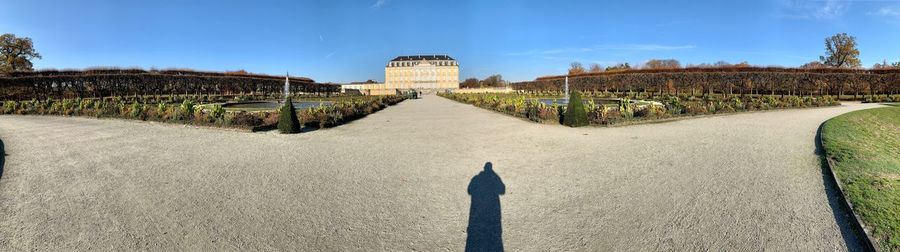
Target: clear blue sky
{"x": 342, "y": 41}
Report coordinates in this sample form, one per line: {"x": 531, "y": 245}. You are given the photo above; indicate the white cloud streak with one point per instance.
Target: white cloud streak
{"x": 380, "y": 3}
{"x": 814, "y": 9}
{"x": 886, "y": 11}
{"x": 599, "y": 48}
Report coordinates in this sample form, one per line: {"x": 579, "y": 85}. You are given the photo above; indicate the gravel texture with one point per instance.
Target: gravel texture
{"x": 401, "y": 179}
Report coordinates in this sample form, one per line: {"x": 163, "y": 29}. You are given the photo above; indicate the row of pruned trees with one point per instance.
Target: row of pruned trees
{"x": 771, "y": 81}
{"x": 115, "y": 82}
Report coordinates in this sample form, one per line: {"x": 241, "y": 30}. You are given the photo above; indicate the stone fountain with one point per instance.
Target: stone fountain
{"x": 287, "y": 86}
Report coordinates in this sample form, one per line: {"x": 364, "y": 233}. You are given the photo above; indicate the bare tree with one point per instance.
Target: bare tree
{"x": 722, "y": 63}
{"x": 813, "y": 65}
{"x": 595, "y": 68}
{"x": 238, "y": 72}
{"x": 662, "y": 64}
{"x": 470, "y": 83}
{"x": 742, "y": 64}
{"x": 494, "y": 81}
{"x": 619, "y": 67}
{"x": 576, "y": 68}
{"x": 841, "y": 52}
{"x": 885, "y": 65}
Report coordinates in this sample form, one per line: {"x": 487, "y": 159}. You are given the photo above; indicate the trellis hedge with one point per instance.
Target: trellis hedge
{"x": 751, "y": 80}
{"x": 125, "y": 82}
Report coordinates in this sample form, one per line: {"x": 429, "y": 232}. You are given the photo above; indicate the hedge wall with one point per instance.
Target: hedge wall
{"x": 115, "y": 82}
{"x": 779, "y": 81}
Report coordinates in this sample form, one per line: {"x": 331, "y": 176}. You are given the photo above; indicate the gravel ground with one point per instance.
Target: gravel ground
{"x": 400, "y": 180}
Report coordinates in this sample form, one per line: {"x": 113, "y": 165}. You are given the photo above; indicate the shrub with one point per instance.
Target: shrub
{"x": 752, "y": 104}
{"x": 674, "y": 105}
{"x": 161, "y": 110}
{"x": 85, "y": 105}
{"x": 9, "y": 107}
{"x": 694, "y": 108}
{"x": 726, "y": 108}
{"x": 599, "y": 115}
{"x": 121, "y": 109}
{"x": 738, "y": 104}
{"x": 287, "y": 121}
{"x": 217, "y": 112}
{"x": 47, "y": 106}
{"x": 137, "y": 111}
{"x": 186, "y": 110}
{"x": 575, "y": 114}
{"x": 98, "y": 108}
{"x": 651, "y": 110}
{"x": 539, "y": 112}
{"x": 55, "y": 108}
{"x": 561, "y": 111}
{"x": 626, "y": 108}
{"x": 711, "y": 107}
{"x": 830, "y": 101}
{"x": 68, "y": 107}
{"x": 199, "y": 116}
{"x": 772, "y": 102}
{"x": 331, "y": 118}
{"x": 795, "y": 101}
{"x": 246, "y": 119}
{"x": 809, "y": 101}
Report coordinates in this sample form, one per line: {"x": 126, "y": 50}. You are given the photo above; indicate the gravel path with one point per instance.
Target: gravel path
{"x": 400, "y": 179}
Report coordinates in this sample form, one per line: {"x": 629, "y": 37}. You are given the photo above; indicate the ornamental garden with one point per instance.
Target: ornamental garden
{"x": 634, "y": 96}
{"x": 230, "y": 100}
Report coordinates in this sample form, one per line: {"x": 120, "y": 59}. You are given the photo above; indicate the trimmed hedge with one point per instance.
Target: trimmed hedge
{"x": 752, "y": 80}
{"x": 575, "y": 114}
{"x": 287, "y": 120}
{"x": 129, "y": 82}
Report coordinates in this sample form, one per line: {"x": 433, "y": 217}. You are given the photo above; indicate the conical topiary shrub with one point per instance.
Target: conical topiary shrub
{"x": 287, "y": 120}
{"x": 575, "y": 114}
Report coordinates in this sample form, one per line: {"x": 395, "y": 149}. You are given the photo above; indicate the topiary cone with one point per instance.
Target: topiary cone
{"x": 287, "y": 120}
{"x": 575, "y": 114}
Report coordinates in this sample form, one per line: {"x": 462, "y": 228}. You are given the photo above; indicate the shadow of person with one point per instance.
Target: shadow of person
{"x": 485, "y": 231}
{"x": 2, "y": 158}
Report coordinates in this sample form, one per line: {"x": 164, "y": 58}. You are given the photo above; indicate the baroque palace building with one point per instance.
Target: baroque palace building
{"x": 419, "y": 72}
{"x": 422, "y": 72}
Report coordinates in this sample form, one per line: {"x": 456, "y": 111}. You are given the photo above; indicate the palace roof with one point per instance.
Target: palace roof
{"x": 422, "y": 57}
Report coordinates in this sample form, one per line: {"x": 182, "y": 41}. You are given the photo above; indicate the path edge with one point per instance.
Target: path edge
{"x": 870, "y": 242}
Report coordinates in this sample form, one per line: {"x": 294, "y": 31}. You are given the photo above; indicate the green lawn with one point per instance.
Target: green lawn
{"x": 865, "y": 146}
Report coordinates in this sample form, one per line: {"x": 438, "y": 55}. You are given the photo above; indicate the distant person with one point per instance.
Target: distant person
{"x": 485, "y": 231}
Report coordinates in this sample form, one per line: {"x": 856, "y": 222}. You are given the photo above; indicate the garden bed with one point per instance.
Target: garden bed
{"x": 341, "y": 110}
{"x": 633, "y": 108}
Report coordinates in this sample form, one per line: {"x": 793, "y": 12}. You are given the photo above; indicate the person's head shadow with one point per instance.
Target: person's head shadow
{"x": 485, "y": 231}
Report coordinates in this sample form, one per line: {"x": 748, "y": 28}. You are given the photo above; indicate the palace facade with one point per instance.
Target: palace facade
{"x": 419, "y": 72}
{"x": 422, "y": 72}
